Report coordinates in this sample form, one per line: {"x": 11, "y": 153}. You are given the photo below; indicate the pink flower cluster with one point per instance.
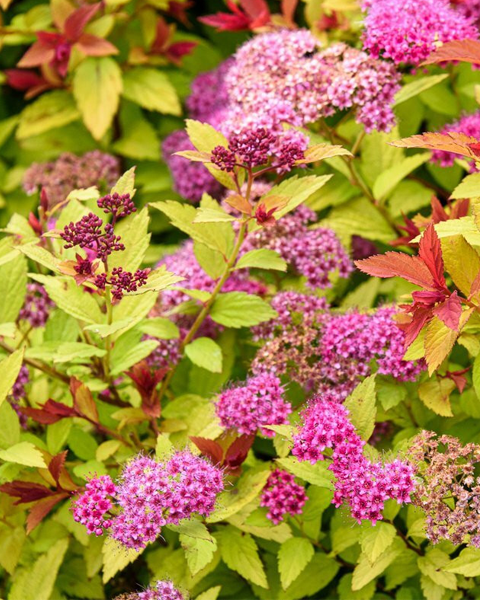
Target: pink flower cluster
{"x": 467, "y": 124}
{"x": 285, "y": 76}
{"x": 408, "y": 31}
{"x": 190, "y": 179}
{"x": 91, "y": 508}
{"x": 313, "y": 253}
{"x": 163, "y": 590}
{"x": 37, "y": 305}
{"x": 249, "y": 407}
{"x": 71, "y": 172}
{"x": 361, "y": 484}
{"x": 282, "y": 496}
{"x": 150, "y": 495}
{"x": 208, "y": 98}
{"x": 18, "y": 392}
{"x": 469, "y": 8}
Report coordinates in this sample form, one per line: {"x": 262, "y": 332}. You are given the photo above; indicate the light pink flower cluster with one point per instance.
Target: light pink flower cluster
{"x": 285, "y": 77}
{"x": 69, "y": 172}
{"x": 467, "y": 124}
{"x": 37, "y": 305}
{"x": 469, "y": 8}
{"x": 190, "y": 179}
{"x": 91, "y": 508}
{"x": 149, "y": 495}
{"x": 247, "y": 408}
{"x": 408, "y": 31}
{"x": 163, "y": 590}
{"x": 361, "y": 484}
{"x": 313, "y": 253}
{"x": 282, "y": 496}
{"x": 208, "y": 98}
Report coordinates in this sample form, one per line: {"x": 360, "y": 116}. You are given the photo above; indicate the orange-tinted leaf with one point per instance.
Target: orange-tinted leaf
{"x": 83, "y": 400}
{"x": 438, "y": 212}
{"x": 458, "y": 143}
{"x": 239, "y": 203}
{"x": 57, "y": 464}
{"x": 321, "y": 152}
{"x": 288, "y": 11}
{"x": 39, "y": 53}
{"x": 397, "y": 264}
{"x": 461, "y": 50}
{"x": 430, "y": 251}
{"x": 41, "y": 510}
{"x": 91, "y": 45}
{"x": 77, "y": 21}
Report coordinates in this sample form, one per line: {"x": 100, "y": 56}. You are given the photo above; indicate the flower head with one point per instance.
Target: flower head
{"x": 282, "y": 496}
{"x": 37, "y": 305}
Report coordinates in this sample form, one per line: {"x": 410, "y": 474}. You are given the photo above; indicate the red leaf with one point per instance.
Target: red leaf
{"x": 238, "y": 450}
{"x": 146, "y": 384}
{"x": 420, "y": 317}
{"x": 226, "y": 21}
{"x": 22, "y": 79}
{"x": 450, "y": 311}
{"x": 460, "y": 209}
{"x": 209, "y": 448}
{"x": 50, "y": 412}
{"x": 77, "y": 21}
{"x": 180, "y": 49}
{"x": 41, "y": 510}
{"x": 254, "y": 8}
{"x": 57, "y": 464}
{"x": 438, "y": 212}
{"x": 91, "y": 45}
{"x": 430, "y": 251}
{"x": 462, "y": 50}
{"x": 458, "y": 378}
{"x": 26, "y": 491}
{"x": 39, "y": 53}
{"x": 83, "y": 400}
{"x": 397, "y": 264}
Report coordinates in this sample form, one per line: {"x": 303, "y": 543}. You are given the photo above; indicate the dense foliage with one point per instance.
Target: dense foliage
{"x": 240, "y": 353}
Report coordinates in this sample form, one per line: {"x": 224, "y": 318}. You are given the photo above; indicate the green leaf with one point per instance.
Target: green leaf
{"x": 126, "y": 183}
{"x": 317, "y": 474}
{"x": 24, "y": 453}
{"x": 435, "y": 394}
{"x": 50, "y": 110}
{"x": 239, "y": 309}
{"x": 193, "y": 529}
{"x": 116, "y": 557}
{"x": 97, "y": 83}
{"x": 71, "y": 298}
{"x": 248, "y": 487}
{"x": 378, "y": 155}
{"x": 139, "y": 139}
{"x": 11, "y": 545}
{"x": 13, "y": 287}
{"x": 161, "y": 328}
{"x": 105, "y": 330}
{"x": 57, "y": 435}
{"x": 198, "y": 553}
{"x": 163, "y": 447}
{"x": 262, "y": 259}
{"x": 469, "y": 187}
{"x": 152, "y": 90}
{"x": 121, "y": 361}
{"x": 466, "y": 564}
{"x": 217, "y": 236}
{"x": 375, "y": 540}
{"x": 134, "y": 233}
{"x": 432, "y": 565}
{"x": 63, "y": 353}
{"x": 158, "y": 280}
{"x": 412, "y": 89}
{"x": 9, "y": 370}
{"x": 40, "y": 255}
{"x": 211, "y": 261}
{"x": 134, "y": 308}
{"x": 389, "y": 179}
{"x": 240, "y": 553}
{"x": 204, "y": 137}
{"x": 345, "y": 591}
{"x": 9, "y": 426}
{"x": 212, "y": 215}
{"x": 210, "y": 594}
{"x": 40, "y": 579}
{"x": 205, "y": 353}
{"x": 361, "y": 405}
{"x": 365, "y": 571}
{"x": 293, "y": 556}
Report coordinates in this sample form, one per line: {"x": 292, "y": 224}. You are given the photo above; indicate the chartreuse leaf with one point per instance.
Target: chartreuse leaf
{"x": 151, "y": 89}
{"x": 469, "y": 187}
{"x": 432, "y": 565}
{"x": 374, "y": 540}
{"x": 116, "y": 558}
{"x": 198, "y": 552}
{"x": 435, "y": 394}
{"x": 9, "y": 370}
{"x": 317, "y": 474}
{"x": 97, "y": 83}
{"x": 13, "y": 287}
{"x": 121, "y": 361}
{"x": 134, "y": 233}
{"x": 240, "y": 553}
{"x": 139, "y": 139}
{"x": 389, "y": 179}
{"x": 361, "y": 405}
{"x": 211, "y": 261}
{"x": 466, "y": 564}
{"x": 345, "y": 591}
{"x": 40, "y": 579}
{"x": 366, "y": 571}
{"x": 205, "y": 353}
{"x": 126, "y": 183}
{"x": 210, "y": 594}
{"x": 462, "y": 263}
{"x": 160, "y": 327}
{"x": 412, "y": 89}
{"x": 11, "y": 545}
{"x": 239, "y": 309}
{"x": 40, "y": 255}
{"x": 24, "y": 453}
{"x": 71, "y": 298}
{"x": 205, "y": 137}
{"x": 50, "y": 110}
{"x": 262, "y": 259}
{"x": 293, "y": 556}
{"x": 158, "y": 280}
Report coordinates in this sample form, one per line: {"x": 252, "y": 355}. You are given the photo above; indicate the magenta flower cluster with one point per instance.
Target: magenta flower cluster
{"x": 149, "y": 495}
{"x": 359, "y": 483}
{"x": 468, "y": 125}
{"x": 93, "y": 507}
{"x": 37, "y": 306}
{"x": 18, "y": 393}
{"x": 162, "y": 590}
{"x": 71, "y": 172}
{"x": 408, "y": 31}
{"x": 249, "y": 407}
{"x": 313, "y": 253}
{"x": 469, "y": 8}
{"x": 282, "y": 496}
{"x": 285, "y": 76}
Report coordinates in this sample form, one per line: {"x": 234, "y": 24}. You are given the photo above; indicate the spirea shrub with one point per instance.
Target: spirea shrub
{"x": 239, "y": 300}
